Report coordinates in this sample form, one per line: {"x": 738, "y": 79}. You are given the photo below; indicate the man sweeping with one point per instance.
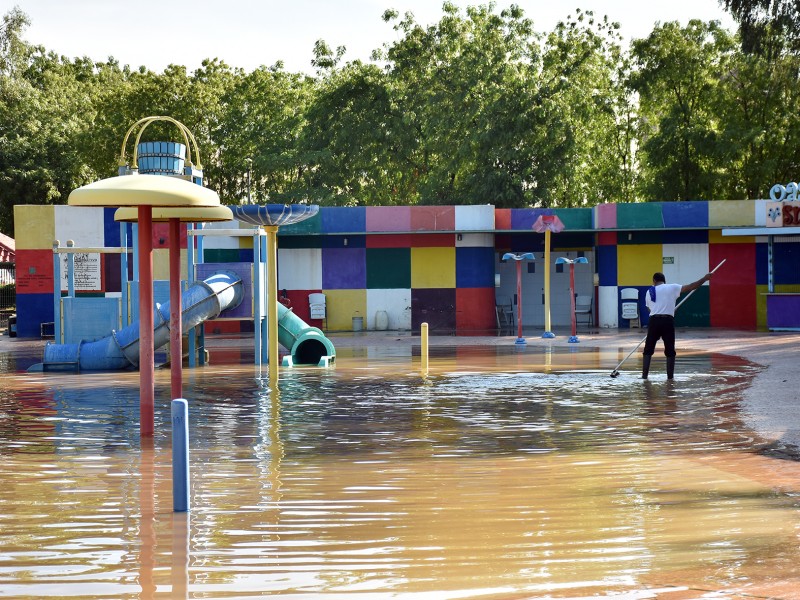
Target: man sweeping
{"x": 660, "y": 301}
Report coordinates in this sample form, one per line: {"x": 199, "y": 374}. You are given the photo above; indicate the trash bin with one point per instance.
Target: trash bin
{"x": 12, "y": 326}
{"x": 358, "y": 323}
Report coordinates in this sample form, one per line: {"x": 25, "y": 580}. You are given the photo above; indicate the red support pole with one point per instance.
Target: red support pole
{"x": 146, "y": 350}
{"x": 519, "y": 299}
{"x": 175, "y": 333}
{"x": 572, "y": 297}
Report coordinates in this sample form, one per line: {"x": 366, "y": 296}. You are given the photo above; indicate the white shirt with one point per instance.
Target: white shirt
{"x": 666, "y": 296}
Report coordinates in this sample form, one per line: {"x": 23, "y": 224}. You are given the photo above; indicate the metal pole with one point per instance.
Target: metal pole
{"x": 146, "y": 350}
{"x": 272, "y": 299}
{"x": 547, "y": 332}
{"x": 424, "y": 349}
{"x": 175, "y": 333}
{"x": 519, "y": 300}
{"x": 574, "y": 337}
{"x": 180, "y": 455}
{"x": 57, "y": 294}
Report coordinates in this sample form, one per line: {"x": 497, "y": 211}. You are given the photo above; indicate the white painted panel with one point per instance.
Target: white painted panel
{"x": 475, "y": 240}
{"x": 608, "y": 309}
{"x": 475, "y": 218}
{"x": 690, "y": 263}
{"x": 396, "y": 303}
{"x": 300, "y": 269}
{"x": 82, "y": 224}
{"x": 761, "y": 213}
{"x": 216, "y": 242}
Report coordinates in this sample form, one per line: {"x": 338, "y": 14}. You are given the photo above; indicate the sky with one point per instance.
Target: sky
{"x": 251, "y": 33}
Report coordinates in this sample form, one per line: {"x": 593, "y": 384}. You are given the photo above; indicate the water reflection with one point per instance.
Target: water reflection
{"x": 505, "y": 474}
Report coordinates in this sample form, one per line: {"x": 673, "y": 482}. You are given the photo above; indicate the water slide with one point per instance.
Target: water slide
{"x": 202, "y": 301}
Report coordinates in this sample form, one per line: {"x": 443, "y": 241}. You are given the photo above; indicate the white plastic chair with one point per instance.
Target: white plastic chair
{"x": 317, "y": 305}
{"x": 583, "y": 306}
{"x": 629, "y": 303}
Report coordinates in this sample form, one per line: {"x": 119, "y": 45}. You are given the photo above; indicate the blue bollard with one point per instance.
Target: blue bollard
{"x": 180, "y": 455}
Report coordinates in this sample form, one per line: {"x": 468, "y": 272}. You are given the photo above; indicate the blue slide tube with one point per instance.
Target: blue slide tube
{"x": 202, "y": 301}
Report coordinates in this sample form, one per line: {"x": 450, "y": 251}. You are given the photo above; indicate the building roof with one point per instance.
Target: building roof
{"x": 7, "y": 248}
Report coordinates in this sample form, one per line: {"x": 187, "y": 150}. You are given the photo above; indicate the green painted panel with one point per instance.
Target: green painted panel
{"x": 388, "y": 268}
{"x": 312, "y": 225}
{"x": 695, "y": 312}
{"x": 220, "y": 255}
{"x": 299, "y": 241}
{"x": 575, "y": 218}
{"x": 646, "y": 215}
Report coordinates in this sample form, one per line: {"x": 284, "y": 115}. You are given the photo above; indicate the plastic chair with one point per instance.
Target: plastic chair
{"x": 316, "y": 304}
{"x": 630, "y": 304}
{"x": 584, "y": 306}
{"x": 504, "y": 310}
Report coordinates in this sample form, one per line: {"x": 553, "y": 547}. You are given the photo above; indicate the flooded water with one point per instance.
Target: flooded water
{"x": 506, "y": 474}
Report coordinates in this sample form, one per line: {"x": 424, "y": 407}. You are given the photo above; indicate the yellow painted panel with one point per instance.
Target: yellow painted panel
{"x": 161, "y": 264}
{"x": 433, "y": 267}
{"x": 731, "y": 213}
{"x": 246, "y": 242}
{"x": 34, "y": 227}
{"x": 715, "y": 237}
{"x": 637, "y": 263}
{"x": 342, "y": 306}
{"x": 761, "y": 306}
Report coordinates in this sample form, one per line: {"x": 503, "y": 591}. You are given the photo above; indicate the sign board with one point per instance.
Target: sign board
{"x": 87, "y": 272}
{"x": 668, "y": 260}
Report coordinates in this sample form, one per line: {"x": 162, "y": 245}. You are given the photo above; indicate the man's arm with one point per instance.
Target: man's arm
{"x": 695, "y": 284}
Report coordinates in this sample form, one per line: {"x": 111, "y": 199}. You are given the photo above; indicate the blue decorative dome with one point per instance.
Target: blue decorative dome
{"x": 274, "y": 214}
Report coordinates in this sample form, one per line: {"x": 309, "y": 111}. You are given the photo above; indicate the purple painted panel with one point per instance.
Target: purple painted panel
{"x": 783, "y": 311}
{"x": 388, "y": 218}
{"x": 244, "y": 271}
{"x": 344, "y": 268}
{"x": 436, "y": 307}
{"x": 522, "y": 219}
{"x": 605, "y": 216}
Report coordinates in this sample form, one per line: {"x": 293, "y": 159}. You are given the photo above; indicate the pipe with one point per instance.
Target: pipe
{"x": 202, "y": 301}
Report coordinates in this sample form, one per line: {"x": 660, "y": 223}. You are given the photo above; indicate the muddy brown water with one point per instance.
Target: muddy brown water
{"x": 505, "y": 474}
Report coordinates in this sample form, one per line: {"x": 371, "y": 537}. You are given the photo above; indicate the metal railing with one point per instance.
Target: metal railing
{"x": 8, "y": 293}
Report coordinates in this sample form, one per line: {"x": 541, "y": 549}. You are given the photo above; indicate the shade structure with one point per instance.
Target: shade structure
{"x": 143, "y": 190}
{"x": 274, "y": 214}
{"x": 270, "y": 217}
{"x": 200, "y": 214}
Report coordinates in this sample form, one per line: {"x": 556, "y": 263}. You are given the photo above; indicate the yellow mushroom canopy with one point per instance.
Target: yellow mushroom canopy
{"x": 200, "y": 214}
{"x": 143, "y": 190}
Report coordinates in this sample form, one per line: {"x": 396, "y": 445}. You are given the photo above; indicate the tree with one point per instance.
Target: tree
{"x": 767, "y": 27}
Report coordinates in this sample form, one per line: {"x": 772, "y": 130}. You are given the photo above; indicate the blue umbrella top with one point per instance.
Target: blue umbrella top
{"x": 274, "y": 214}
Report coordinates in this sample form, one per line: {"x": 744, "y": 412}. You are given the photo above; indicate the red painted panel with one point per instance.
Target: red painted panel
{"x": 161, "y": 235}
{"x": 389, "y": 241}
{"x": 433, "y": 218}
{"x": 607, "y": 238}
{"x": 217, "y": 327}
{"x": 433, "y": 240}
{"x": 300, "y": 306}
{"x": 739, "y": 268}
{"x": 34, "y": 271}
{"x": 475, "y": 309}
{"x": 502, "y": 219}
{"x": 732, "y": 305}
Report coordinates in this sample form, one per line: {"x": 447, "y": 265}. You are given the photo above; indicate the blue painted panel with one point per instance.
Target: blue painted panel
{"x": 344, "y": 219}
{"x": 338, "y": 241}
{"x": 762, "y": 264}
{"x": 697, "y": 236}
{"x": 527, "y": 242}
{"x": 522, "y": 219}
{"x": 607, "y": 265}
{"x": 89, "y": 318}
{"x": 344, "y": 268}
{"x": 246, "y": 255}
{"x": 685, "y": 214}
{"x": 474, "y": 267}
{"x": 111, "y": 238}
{"x": 786, "y": 257}
{"x": 32, "y": 311}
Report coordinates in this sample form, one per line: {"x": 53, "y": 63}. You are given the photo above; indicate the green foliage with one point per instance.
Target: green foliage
{"x": 478, "y": 107}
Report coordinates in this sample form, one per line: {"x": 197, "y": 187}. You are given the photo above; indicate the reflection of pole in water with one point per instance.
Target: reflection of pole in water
{"x": 180, "y": 555}
{"x": 147, "y": 535}
{"x": 269, "y": 449}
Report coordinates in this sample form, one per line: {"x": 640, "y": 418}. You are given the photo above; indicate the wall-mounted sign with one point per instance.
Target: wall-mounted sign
{"x": 87, "y": 272}
{"x": 784, "y": 210}
{"x": 668, "y": 260}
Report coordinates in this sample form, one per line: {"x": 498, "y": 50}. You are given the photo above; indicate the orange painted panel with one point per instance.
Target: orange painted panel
{"x": 502, "y": 219}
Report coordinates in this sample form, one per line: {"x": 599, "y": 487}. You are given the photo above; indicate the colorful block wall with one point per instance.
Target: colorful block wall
{"x": 437, "y": 264}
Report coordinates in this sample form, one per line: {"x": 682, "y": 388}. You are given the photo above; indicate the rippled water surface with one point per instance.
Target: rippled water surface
{"x": 505, "y": 474}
